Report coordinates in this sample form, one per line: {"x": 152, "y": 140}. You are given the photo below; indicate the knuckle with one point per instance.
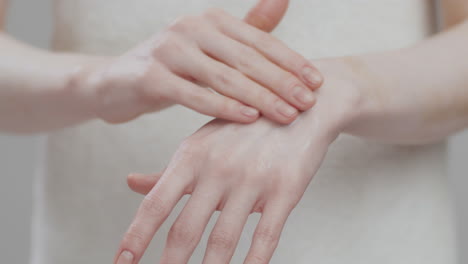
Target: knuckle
{"x": 224, "y": 78}
{"x": 266, "y": 235}
{"x": 247, "y": 58}
{"x": 221, "y": 240}
{"x": 181, "y": 234}
{"x": 154, "y": 205}
{"x": 189, "y": 149}
{"x": 244, "y": 62}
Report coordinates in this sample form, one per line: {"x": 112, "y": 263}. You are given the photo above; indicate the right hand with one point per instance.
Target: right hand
{"x": 251, "y": 71}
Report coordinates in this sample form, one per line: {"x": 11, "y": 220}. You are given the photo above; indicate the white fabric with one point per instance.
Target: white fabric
{"x": 369, "y": 203}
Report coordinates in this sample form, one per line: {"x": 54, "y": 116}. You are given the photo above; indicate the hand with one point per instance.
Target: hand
{"x": 249, "y": 69}
{"x": 239, "y": 169}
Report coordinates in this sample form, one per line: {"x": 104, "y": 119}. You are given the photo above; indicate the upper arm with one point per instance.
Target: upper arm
{"x": 2, "y": 13}
{"x": 454, "y": 11}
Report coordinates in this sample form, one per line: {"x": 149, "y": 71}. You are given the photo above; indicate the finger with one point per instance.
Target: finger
{"x": 270, "y": 47}
{"x": 228, "y": 229}
{"x": 232, "y": 83}
{"x": 188, "y": 229}
{"x": 153, "y": 211}
{"x": 267, "y": 14}
{"x": 209, "y": 103}
{"x": 268, "y": 232}
{"x": 253, "y": 64}
{"x": 142, "y": 183}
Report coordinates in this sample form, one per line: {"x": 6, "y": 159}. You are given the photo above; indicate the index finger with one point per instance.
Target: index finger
{"x": 273, "y": 49}
{"x": 151, "y": 214}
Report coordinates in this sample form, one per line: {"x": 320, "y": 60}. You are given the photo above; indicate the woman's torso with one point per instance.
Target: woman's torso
{"x": 369, "y": 202}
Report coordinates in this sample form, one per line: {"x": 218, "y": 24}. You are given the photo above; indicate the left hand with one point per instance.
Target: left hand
{"x": 237, "y": 169}
{"x": 234, "y": 168}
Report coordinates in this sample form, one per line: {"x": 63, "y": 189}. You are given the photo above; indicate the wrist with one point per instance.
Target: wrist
{"x": 117, "y": 90}
{"x": 341, "y": 101}
{"x": 77, "y": 89}
{"x": 374, "y": 111}
{"x": 79, "y": 84}
{"x": 106, "y": 94}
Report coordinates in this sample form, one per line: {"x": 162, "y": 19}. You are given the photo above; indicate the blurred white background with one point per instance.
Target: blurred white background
{"x": 31, "y": 22}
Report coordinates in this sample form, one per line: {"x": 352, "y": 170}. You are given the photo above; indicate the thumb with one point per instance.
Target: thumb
{"x": 142, "y": 183}
{"x": 267, "y": 14}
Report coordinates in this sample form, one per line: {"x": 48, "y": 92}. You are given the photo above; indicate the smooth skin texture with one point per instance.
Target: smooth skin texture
{"x": 265, "y": 168}
{"x": 267, "y": 174}
{"x": 250, "y": 71}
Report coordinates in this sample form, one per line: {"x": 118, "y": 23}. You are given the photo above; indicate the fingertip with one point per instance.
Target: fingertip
{"x": 267, "y": 14}
{"x": 247, "y": 114}
{"x": 132, "y": 179}
{"x": 259, "y": 21}
{"x": 291, "y": 119}
{"x": 142, "y": 183}
{"x": 239, "y": 117}
{"x": 313, "y": 77}
{"x": 242, "y": 120}
{"x": 304, "y": 99}
{"x": 282, "y": 120}
{"x": 250, "y": 121}
{"x": 285, "y": 111}
{"x": 319, "y": 82}
{"x": 310, "y": 104}
{"x": 126, "y": 257}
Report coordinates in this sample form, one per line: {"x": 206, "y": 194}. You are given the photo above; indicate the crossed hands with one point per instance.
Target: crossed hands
{"x": 269, "y": 171}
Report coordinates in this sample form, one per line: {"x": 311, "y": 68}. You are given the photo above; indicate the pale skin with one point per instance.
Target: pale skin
{"x": 416, "y": 95}
{"x": 251, "y": 72}
{"x": 224, "y": 166}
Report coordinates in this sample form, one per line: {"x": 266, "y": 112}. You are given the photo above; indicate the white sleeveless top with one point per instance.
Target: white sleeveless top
{"x": 369, "y": 203}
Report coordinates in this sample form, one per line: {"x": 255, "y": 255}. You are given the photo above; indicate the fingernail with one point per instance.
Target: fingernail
{"x": 125, "y": 258}
{"x": 303, "y": 95}
{"x": 312, "y": 76}
{"x": 249, "y": 111}
{"x": 285, "y": 109}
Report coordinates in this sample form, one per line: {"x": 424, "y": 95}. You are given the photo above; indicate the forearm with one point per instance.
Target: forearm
{"x": 415, "y": 95}
{"x": 36, "y": 89}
